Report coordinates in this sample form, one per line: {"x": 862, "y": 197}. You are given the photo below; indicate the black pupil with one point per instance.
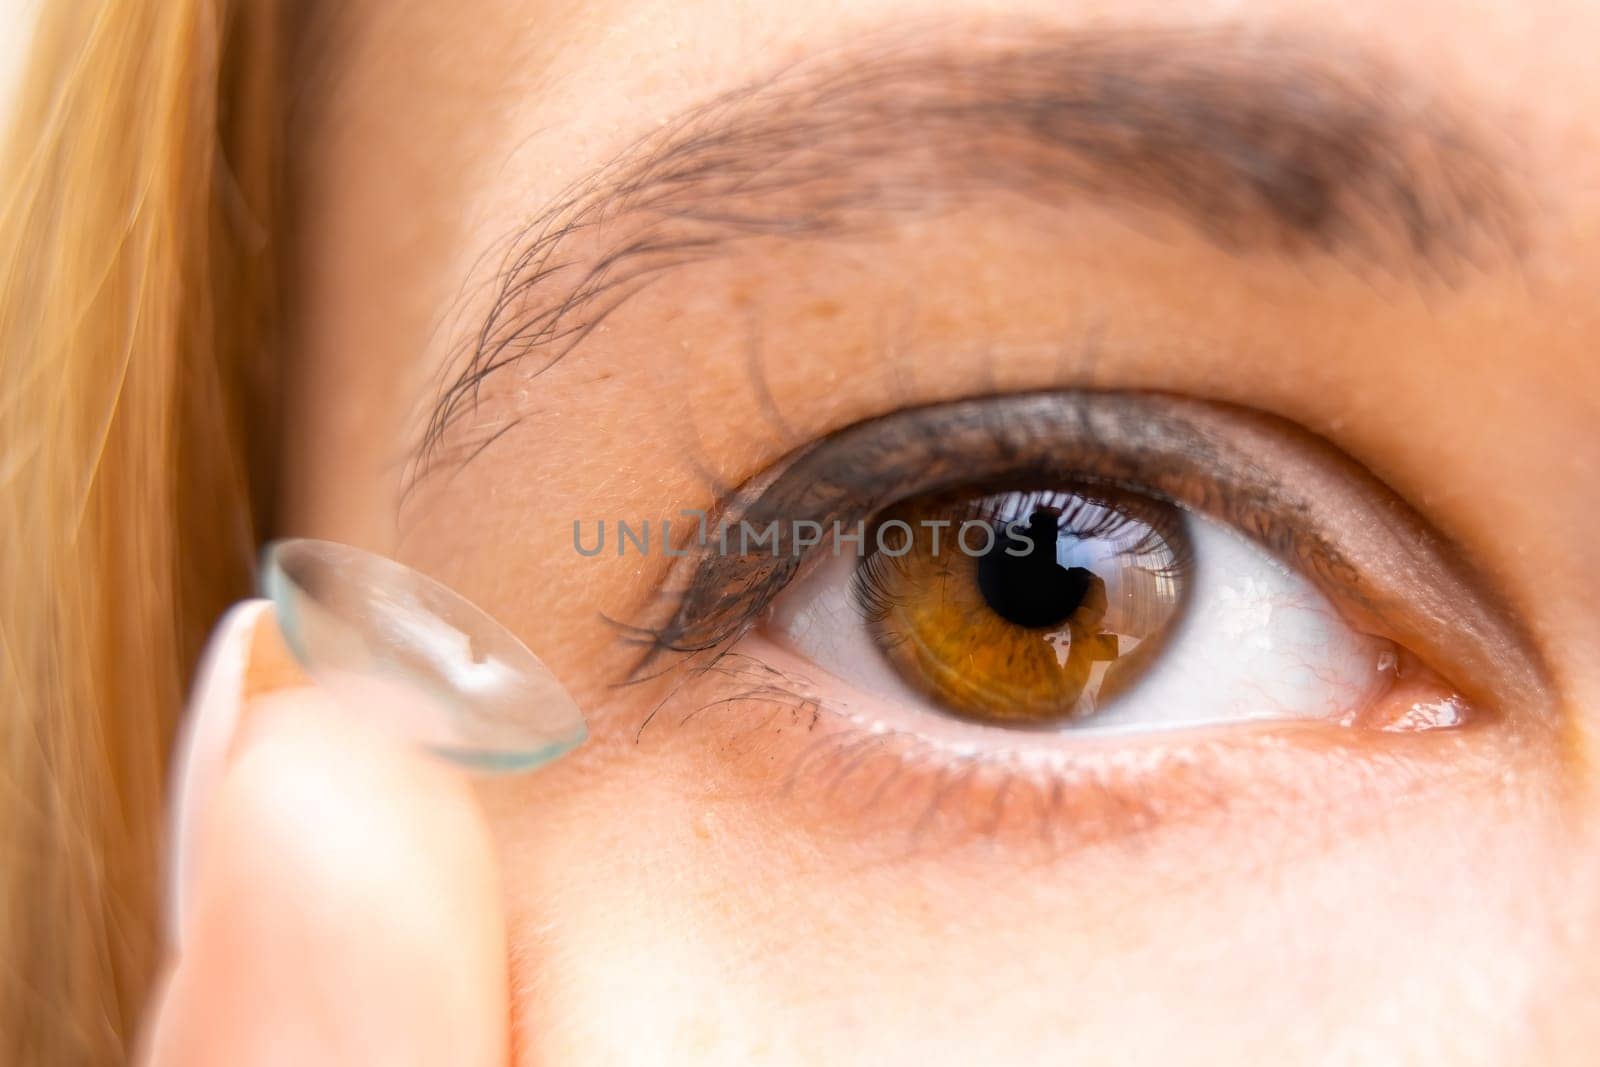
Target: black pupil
{"x": 1030, "y": 588}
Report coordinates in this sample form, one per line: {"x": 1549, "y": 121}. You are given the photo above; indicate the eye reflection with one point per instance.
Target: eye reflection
{"x": 1023, "y": 606}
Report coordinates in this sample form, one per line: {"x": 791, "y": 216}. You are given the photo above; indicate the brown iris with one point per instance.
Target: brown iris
{"x": 1028, "y": 606}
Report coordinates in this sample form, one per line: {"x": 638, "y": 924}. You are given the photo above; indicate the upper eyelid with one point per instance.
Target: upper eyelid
{"x": 1209, "y": 124}
{"x": 1295, "y": 494}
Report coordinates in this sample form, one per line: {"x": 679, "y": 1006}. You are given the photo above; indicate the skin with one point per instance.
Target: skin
{"x": 665, "y": 901}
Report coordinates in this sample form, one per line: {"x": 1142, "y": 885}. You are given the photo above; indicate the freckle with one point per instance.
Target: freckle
{"x": 823, "y": 309}
{"x": 704, "y": 824}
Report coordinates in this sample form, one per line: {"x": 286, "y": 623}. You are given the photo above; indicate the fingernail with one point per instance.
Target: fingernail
{"x": 392, "y": 647}
{"x": 204, "y": 737}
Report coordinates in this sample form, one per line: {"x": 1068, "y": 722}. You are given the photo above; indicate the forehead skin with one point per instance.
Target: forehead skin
{"x": 426, "y": 134}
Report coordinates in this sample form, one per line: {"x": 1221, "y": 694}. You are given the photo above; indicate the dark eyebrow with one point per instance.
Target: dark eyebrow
{"x": 1265, "y": 144}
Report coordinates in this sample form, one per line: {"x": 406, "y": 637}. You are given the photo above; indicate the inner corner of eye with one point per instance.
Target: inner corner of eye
{"x": 1083, "y": 609}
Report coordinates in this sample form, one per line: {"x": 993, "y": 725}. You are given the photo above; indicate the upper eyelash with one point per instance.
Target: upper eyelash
{"x": 1162, "y": 520}
{"x": 871, "y": 590}
{"x": 861, "y": 469}
{"x": 1163, "y": 526}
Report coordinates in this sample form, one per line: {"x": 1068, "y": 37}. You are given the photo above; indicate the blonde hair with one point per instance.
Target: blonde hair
{"x": 136, "y": 301}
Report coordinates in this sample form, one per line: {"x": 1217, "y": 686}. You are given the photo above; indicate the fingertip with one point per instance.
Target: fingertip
{"x": 347, "y": 906}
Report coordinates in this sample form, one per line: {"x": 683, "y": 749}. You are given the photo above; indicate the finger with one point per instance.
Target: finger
{"x": 244, "y": 658}
{"x": 345, "y": 906}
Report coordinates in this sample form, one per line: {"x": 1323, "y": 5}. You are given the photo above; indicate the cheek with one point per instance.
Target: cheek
{"x": 647, "y": 923}
{"x": 658, "y": 915}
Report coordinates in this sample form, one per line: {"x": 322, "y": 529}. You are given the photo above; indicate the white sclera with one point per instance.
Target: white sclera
{"x": 397, "y": 647}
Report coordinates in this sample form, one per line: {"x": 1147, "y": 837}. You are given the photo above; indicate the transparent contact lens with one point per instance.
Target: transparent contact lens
{"x": 398, "y": 647}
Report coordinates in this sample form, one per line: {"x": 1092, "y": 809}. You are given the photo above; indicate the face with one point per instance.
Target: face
{"x": 1241, "y": 355}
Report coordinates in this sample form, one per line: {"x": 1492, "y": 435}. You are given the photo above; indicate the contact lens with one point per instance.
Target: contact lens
{"x": 391, "y": 643}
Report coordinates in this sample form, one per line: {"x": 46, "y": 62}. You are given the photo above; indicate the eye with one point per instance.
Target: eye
{"x": 1187, "y": 607}
{"x": 1193, "y": 564}
{"x": 1081, "y": 608}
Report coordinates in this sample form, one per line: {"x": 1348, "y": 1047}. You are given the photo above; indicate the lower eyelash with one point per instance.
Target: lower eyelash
{"x": 754, "y": 682}
{"x": 893, "y": 791}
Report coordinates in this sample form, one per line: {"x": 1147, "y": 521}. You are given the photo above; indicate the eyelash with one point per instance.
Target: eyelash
{"x": 893, "y": 794}
{"x": 1163, "y": 531}
{"x": 1398, "y": 581}
{"x": 1293, "y": 494}
{"x": 873, "y": 465}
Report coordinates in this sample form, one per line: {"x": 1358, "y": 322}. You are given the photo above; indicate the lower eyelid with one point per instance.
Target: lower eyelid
{"x": 774, "y": 733}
